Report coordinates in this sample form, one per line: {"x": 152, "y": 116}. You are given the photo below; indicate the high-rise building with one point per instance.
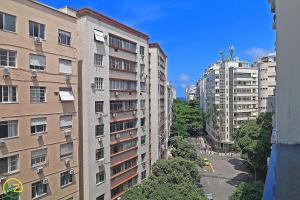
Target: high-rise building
{"x": 229, "y": 95}
{"x": 38, "y": 101}
{"x": 158, "y": 96}
{"x": 114, "y": 106}
{"x": 266, "y": 83}
{"x": 190, "y": 93}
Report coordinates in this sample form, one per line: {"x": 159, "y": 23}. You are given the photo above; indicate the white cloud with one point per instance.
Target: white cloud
{"x": 184, "y": 77}
{"x": 183, "y": 86}
{"x": 256, "y": 52}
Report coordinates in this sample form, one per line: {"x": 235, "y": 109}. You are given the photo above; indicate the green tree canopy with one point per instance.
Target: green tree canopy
{"x": 248, "y": 191}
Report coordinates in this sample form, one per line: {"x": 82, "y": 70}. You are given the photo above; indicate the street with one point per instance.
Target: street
{"x": 223, "y": 175}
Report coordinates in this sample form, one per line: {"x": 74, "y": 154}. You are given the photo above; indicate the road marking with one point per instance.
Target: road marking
{"x": 212, "y": 169}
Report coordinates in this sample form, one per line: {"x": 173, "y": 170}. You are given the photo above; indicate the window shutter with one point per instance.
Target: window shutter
{"x": 38, "y": 121}
{"x": 66, "y": 120}
{"x": 37, "y": 60}
{"x": 65, "y": 66}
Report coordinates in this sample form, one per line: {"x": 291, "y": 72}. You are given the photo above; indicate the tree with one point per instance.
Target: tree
{"x": 248, "y": 191}
{"x": 252, "y": 139}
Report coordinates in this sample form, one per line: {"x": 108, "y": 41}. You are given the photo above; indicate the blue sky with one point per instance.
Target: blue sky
{"x": 192, "y": 32}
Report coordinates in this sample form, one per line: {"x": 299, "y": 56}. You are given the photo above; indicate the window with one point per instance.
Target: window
{"x": 36, "y": 30}
{"x": 143, "y": 104}
{"x": 8, "y": 58}
{"x": 66, "y": 150}
{"x": 98, "y": 36}
{"x": 119, "y": 126}
{"x": 143, "y": 156}
{"x": 37, "y": 62}
{"x": 121, "y": 64}
{"x": 7, "y": 22}
{"x": 143, "y": 175}
{"x": 38, "y": 189}
{"x": 66, "y": 178}
{"x": 98, "y": 83}
{"x": 101, "y": 197}
{"x": 99, "y": 106}
{"x": 142, "y": 66}
{"x": 64, "y": 37}
{"x": 37, "y": 94}
{"x": 143, "y": 86}
{"x": 66, "y": 121}
{"x": 65, "y": 66}
{"x": 123, "y": 44}
{"x": 38, "y": 125}
{"x": 98, "y": 59}
{"x": 8, "y": 129}
{"x": 143, "y": 139}
{"x": 38, "y": 157}
{"x": 143, "y": 121}
{"x": 122, "y": 85}
{"x": 66, "y": 94}
{"x": 100, "y": 177}
{"x": 9, "y": 164}
{"x": 99, "y": 130}
{"x": 99, "y": 153}
{"x": 8, "y": 94}
{"x": 142, "y": 50}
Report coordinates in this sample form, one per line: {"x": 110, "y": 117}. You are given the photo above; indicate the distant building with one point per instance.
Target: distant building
{"x": 190, "y": 93}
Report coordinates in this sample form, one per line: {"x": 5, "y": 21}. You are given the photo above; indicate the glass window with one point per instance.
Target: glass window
{"x": 38, "y": 157}
{"x": 66, "y": 178}
{"x": 142, "y": 66}
{"x": 101, "y": 197}
{"x": 8, "y": 94}
{"x": 9, "y": 164}
{"x": 66, "y": 121}
{"x": 38, "y": 125}
{"x": 143, "y": 156}
{"x": 8, "y": 129}
{"x": 98, "y": 83}
{"x": 100, "y": 177}
{"x": 99, "y": 130}
{"x": 66, "y": 150}
{"x": 38, "y": 189}
{"x": 65, "y": 66}
{"x": 98, "y": 59}
{"x": 37, "y": 94}
{"x": 7, "y": 22}
{"x": 99, "y": 153}
{"x": 37, "y": 62}
{"x": 143, "y": 175}
{"x": 143, "y": 121}
{"x": 143, "y": 139}
{"x": 99, "y": 106}
{"x": 64, "y": 37}
{"x": 8, "y": 58}
{"x": 143, "y": 86}
{"x": 142, "y": 50}
{"x": 36, "y": 30}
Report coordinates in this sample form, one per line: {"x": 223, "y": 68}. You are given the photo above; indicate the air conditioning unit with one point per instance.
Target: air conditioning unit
{"x": 45, "y": 181}
{"x": 100, "y": 115}
{"x": 6, "y": 71}
{"x": 71, "y": 171}
{"x": 2, "y": 142}
{"x": 93, "y": 85}
{"x": 67, "y": 132}
{"x": 113, "y": 115}
{"x": 67, "y": 161}
{"x": 117, "y": 94}
{"x": 118, "y": 136}
{"x": 37, "y": 40}
{"x": 68, "y": 77}
{"x": 101, "y": 162}
{"x": 39, "y": 170}
{"x": 100, "y": 139}
{"x": 34, "y": 74}
{"x": 39, "y": 137}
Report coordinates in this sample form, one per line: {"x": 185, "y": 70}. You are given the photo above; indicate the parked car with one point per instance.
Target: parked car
{"x": 209, "y": 196}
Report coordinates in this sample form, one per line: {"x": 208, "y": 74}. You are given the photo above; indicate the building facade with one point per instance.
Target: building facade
{"x": 38, "y": 100}
{"x": 266, "y": 83}
{"x": 158, "y": 102}
{"x": 190, "y": 93}
{"x": 114, "y": 106}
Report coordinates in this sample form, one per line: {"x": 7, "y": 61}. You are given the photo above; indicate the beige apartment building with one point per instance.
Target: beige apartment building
{"x": 38, "y": 100}
{"x": 266, "y": 83}
{"x": 158, "y": 98}
{"x": 114, "y": 106}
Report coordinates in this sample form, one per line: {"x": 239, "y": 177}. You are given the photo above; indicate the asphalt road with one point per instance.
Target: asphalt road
{"x": 223, "y": 175}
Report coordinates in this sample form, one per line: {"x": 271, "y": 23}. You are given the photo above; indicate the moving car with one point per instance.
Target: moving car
{"x": 209, "y": 196}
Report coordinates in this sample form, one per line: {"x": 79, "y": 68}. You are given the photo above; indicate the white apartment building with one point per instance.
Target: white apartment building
{"x": 190, "y": 93}
{"x": 114, "y": 106}
{"x": 230, "y": 97}
{"x": 158, "y": 95}
{"x": 266, "y": 83}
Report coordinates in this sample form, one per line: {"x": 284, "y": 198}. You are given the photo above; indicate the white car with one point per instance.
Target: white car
{"x": 209, "y": 196}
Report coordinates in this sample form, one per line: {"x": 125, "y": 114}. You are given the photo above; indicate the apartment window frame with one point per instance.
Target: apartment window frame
{"x": 41, "y": 157}
{"x": 10, "y": 129}
{"x": 38, "y": 189}
{"x": 100, "y": 177}
{"x": 8, "y": 94}
{"x": 101, "y": 197}
{"x": 66, "y": 178}
{"x": 143, "y": 121}
{"x": 143, "y": 174}
{"x": 38, "y": 94}
{"x": 99, "y": 153}
{"x": 99, "y": 106}
{"x": 99, "y": 82}
{"x": 143, "y": 86}
{"x": 142, "y": 50}
{"x": 38, "y": 127}
{"x": 41, "y": 30}
{"x": 65, "y": 66}
{"x": 40, "y": 63}
{"x": 8, "y": 58}
{"x": 64, "y": 37}
{"x": 143, "y": 140}
{"x": 98, "y": 60}
{"x": 66, "y": 125}
{"x": 99, "y": 130}
{"x": 11, "y": 164}
{"x": 4, "y": 22}
{"x": 69, "y": 153}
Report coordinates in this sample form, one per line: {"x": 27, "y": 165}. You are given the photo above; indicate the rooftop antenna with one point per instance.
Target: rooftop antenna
{"x": 231, "y": 52}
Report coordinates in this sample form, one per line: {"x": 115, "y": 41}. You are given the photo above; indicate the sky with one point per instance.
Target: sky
{"x": 192, "y": 32}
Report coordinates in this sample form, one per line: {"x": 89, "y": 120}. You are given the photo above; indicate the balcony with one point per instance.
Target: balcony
{"x": 123, "y": 155}
{"x": 117, "y": 180}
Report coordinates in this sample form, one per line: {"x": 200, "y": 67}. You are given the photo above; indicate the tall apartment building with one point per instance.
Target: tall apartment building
{"x": 231, "y": 96}
{"x": 266, "y": 83}
{"x": 38, "y": 100}
{"x": 114, "y": 106}
{"x": 190, "y": 93}
{"x": 158, "y": 102}
{"x": 170, "y": 100}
